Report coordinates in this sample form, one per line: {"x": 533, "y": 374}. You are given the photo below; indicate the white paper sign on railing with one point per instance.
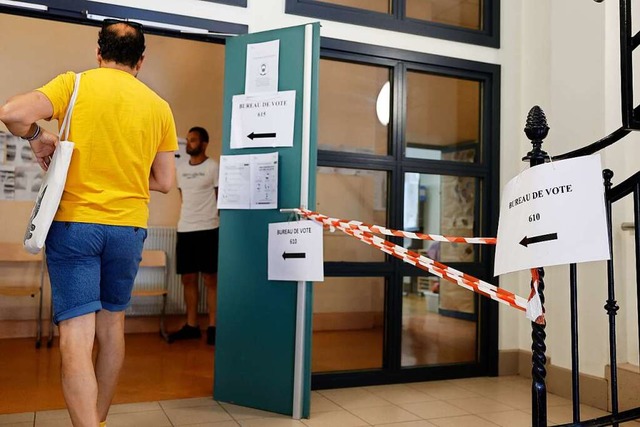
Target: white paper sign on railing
{"x": 553, "y": 214}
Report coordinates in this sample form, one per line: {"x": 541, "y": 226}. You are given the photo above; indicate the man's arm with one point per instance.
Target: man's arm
{"x": 20, "y": 114}
{"x": 163, "y": 172}
{"x": 22, "y": 111}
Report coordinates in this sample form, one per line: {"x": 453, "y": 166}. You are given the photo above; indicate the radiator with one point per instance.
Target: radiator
{"x": 163, "y": 238}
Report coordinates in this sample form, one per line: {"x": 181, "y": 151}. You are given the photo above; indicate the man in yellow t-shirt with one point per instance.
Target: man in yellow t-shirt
{"x": 125, "y": 139}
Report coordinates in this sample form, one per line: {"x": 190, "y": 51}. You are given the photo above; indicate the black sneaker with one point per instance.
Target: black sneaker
{"x": 211, "y": 335}
{"x": 186, "y": 333}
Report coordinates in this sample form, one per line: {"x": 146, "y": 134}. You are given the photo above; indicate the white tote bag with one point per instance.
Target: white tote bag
{"x": 52, "y": 186}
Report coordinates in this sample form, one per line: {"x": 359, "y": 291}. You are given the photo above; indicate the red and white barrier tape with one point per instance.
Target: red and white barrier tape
{"x": 439, "y": 269}
{"x": 535, "y": 311}
{"x": 364, "y": 233}
{"x": 357, "y": 225}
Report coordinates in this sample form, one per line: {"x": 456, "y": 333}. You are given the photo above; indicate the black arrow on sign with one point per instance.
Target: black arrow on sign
{"x": 253, "y": 135}
{"x": 286, "y": 255}
{"x": 537, "y": 239}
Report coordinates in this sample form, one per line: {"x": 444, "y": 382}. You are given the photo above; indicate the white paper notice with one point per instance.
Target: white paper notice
{"x": 264, "y": 173}
{"x": 262, "y": 67}
{"x": 234, "y": 182}
{"x": 295, "y": 251}
{"x": 553, "y": 214}
{"x": 248, "y": 181}
{"x": 264, "y": 120}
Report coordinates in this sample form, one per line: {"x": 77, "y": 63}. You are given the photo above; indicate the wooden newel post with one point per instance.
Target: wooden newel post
{"x": 536, "y": 130}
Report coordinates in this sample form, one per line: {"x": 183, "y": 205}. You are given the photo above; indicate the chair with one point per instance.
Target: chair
{"x": 14, "y": 254}
{"x": 155, "y": 259}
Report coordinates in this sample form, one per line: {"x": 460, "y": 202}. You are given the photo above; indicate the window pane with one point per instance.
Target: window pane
{"x": 438, "y": 322}
{"x": 443, "y": 118}
{"x": 459, "y": 13}
{"x": 348, "y": 323}
{"x": 351, "y": 194}
{"x": 442, "y": 204}
{"x": 354, "y": 107}
{"x": 382, "y": 6}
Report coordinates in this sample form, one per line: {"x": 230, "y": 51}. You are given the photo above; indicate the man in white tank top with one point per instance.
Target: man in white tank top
{"x": 197, "y": 245}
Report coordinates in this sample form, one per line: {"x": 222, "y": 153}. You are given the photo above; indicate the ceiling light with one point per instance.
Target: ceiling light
{"x": 383, "y": 104}
{"x": 24, "y": 5}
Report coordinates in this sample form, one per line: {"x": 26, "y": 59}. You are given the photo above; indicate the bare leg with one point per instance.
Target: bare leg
{"x": 110, "y": 333}
{"x": 190, "y": 283}
{"x": 211, "y": 282}
{"x": 79, "y": 384}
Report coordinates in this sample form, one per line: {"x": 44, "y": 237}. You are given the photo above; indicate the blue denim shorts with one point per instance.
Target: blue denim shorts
{"x": 92, "y": 266}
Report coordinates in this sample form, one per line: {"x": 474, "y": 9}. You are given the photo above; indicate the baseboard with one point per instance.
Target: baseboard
{"x": 148, "y": 324}
{"x": 628, "y": 386}
{"x": 20, "y": 328}
{"x": 133, "y": 325}
{"x": 594, "y": 391}
{"x": 509, "y": 362}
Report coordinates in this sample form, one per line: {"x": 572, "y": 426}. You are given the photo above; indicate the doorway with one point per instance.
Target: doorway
{"x": 189, "y": 74}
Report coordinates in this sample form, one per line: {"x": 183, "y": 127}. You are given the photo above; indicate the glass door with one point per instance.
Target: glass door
{"x": 405, "y": 146}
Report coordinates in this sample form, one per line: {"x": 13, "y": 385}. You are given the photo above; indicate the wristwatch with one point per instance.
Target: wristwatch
{"x": 35, "y": 135}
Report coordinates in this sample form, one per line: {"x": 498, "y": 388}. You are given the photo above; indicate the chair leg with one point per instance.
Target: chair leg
{"x": 39, "y": 324}
{"x": 39, "y": 321}
{"x": 50, "y": 338}
{"x": 163, "y": 331}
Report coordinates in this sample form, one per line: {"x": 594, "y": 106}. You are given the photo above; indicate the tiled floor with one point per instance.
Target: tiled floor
{"x": 475, "y": 402}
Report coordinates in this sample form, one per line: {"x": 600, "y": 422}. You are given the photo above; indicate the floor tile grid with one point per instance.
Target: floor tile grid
{"x": 426, "y": 410}
{"x": 478, "y": 402}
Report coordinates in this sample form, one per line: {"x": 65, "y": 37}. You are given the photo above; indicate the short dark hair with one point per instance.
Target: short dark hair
{"x": 202, "y": 132}
{"x": 123, "y": 45}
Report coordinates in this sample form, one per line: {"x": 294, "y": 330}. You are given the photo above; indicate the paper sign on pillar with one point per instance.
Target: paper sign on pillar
{"x": 295, "y": 251}
{"x": 262, "y": 116}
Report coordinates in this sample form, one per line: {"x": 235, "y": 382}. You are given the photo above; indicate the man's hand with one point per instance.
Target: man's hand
{"x": 43, "y": 147}
{"x": 21, "y": 112}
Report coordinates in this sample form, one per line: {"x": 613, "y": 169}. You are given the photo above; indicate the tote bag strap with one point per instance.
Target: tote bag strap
{"x": 67, "y": 117}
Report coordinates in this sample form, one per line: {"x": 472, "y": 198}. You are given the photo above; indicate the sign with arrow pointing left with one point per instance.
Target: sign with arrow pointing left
{"x": 263, "y": 120}
{"x": 536, "y": 239}
{"x": 295, "y": 251}
{"x": 553, "y": 214}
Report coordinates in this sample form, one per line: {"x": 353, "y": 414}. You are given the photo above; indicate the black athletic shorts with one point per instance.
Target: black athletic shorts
{"x": 197, "y": 251}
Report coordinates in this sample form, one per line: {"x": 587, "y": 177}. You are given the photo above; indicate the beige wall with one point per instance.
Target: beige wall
{"x": 188, "y": 74}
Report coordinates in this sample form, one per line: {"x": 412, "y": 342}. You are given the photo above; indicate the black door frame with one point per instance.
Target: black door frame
{"x": 396, "y": 164}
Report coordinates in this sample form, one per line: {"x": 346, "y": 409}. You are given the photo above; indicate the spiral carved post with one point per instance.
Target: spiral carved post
{"x": 611, "y": 305}
{"x": 536, "y": 130}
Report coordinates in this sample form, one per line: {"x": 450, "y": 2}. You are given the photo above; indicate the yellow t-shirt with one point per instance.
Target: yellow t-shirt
{"x": 118, "y": 125}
